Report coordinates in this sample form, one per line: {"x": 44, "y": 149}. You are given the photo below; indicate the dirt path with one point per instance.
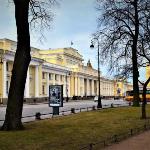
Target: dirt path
{"x": 139, "y": 142}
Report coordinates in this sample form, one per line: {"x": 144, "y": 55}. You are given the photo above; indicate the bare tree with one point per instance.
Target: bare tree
{"x": 143, "y": 50}
{"x": 37, "y": 11}
{"x": 120, "y": 25}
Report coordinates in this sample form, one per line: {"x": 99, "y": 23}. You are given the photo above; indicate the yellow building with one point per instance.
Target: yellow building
{"x": 121, "y": 86}
{"x": 63, "y": 66}
{"x": 148, "y": 73}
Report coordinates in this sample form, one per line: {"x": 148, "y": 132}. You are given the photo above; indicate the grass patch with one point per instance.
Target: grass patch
{"x": 74, "y": 131}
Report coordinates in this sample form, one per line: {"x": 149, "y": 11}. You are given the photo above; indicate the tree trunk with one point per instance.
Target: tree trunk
{"x": 144, "y": 99}
{"x": 20, "y": 68}
{"x": 144, "y": 102}
{"x": 136, "y": 98}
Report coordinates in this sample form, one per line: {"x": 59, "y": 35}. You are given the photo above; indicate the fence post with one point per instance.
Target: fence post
{"x": 115, "y": 138}
{"x": 38, "y": 116}
{"x": 93, "y": 108}
{"x": 73, "y": 110}
{"x": 80, "y": 109}
{"x": 62, "y": 112}
{"x": 87, "y": 109}
{"x": 131, "y": 131}
{"x": 111, "y": 105}
{"x": 129, "y": 103}
{"x": 104, "y": 143}
{"x": 90, "y": 146}
{"x": 144, "y": 126}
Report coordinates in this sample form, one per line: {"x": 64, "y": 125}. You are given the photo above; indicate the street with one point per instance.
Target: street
{"x": 31, "y": 109}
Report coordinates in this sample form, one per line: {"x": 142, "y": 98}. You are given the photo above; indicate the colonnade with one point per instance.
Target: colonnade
{"x": 74, "y": 84}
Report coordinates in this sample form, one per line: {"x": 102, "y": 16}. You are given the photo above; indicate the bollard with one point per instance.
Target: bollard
{"x": 112, "y": 106}
{"x": 62, "y": 112}
{"x": 80, "y": 109}
{"x": 38, "y": 116}
{"x": 129, "y": 103}
{"x": 87, "y": 109}
{"x": 93, "y": 108}
{"x": 73, "y": 110}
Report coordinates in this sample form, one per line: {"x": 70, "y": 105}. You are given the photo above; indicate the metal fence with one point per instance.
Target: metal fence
{"x": 40, "y": 116}
{"x": 96, "y": 145}
{"x": 115, "y": 138}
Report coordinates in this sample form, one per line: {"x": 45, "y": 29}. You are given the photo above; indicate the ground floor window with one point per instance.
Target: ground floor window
{"x": 43, "y": 89}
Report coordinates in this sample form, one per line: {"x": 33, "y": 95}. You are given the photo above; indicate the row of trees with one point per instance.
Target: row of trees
{"x": 124, "y": 32}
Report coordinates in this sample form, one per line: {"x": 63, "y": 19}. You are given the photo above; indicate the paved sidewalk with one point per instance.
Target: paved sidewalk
{"x": 139, "y": 142}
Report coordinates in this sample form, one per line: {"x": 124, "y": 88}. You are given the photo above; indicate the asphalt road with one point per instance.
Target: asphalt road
{"x": 29, "y": 110}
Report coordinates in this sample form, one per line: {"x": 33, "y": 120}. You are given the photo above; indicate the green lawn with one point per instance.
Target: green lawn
{"x": 74, "y": 131}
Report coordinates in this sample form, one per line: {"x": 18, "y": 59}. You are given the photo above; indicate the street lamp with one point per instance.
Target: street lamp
{"x": 99, "y": 105}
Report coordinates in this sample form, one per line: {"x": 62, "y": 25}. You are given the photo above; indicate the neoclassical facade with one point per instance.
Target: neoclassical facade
{"x": 63, "y": 66}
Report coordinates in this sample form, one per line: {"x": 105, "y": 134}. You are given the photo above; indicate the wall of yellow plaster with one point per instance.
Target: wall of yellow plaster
{"x": 32, "y": 80}
{"x": 6, "y": 45}
{"x": 40, "y": 80}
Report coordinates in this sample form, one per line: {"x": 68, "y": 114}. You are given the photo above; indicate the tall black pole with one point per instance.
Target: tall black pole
{"x": 99, "y": 105}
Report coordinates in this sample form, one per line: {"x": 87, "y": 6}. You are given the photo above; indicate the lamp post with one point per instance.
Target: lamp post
{"x": 99, "y": 105}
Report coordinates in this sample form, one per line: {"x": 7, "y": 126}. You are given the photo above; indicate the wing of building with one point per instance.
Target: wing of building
{"x": 62, "y": 66}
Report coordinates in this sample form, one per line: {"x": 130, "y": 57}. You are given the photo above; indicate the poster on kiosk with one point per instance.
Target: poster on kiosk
{"x": 56, "y": 96}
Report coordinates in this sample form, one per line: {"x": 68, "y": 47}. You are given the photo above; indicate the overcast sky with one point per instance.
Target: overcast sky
{"x": 75, "y": 20}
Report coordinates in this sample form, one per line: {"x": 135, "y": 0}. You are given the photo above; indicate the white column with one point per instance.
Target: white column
{"x": 88, "y": 88}
{"x": 4, "y": 78}
{"x": 59, "y": 81}
{"x": 85, "y": 87}
{"x": 27, "y": 87}
{"x": 65, "y": 85}
{"x": 92, "y": 84}
{"x": 102, "y": 88}
{"x": 47, "y": 83}
{"x": 82, "y": 85}
{"x": 69, "y": 86}
{"x": 97, "y": 87}
{"x": 76, "y": 86}
{"x": 53, "y": 79}
{"x": 79, "y": 86}
{"x": 36, "y": 81}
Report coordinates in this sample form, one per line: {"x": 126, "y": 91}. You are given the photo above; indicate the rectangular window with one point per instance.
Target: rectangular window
{"x": 43, "y": 89}
{"x": 56, "y": 77}
{"x": 43, "y": 75}
{"x": 50, "y": 76}
{"x": 7, "y": 87}
{"x": 7, "y": 66}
